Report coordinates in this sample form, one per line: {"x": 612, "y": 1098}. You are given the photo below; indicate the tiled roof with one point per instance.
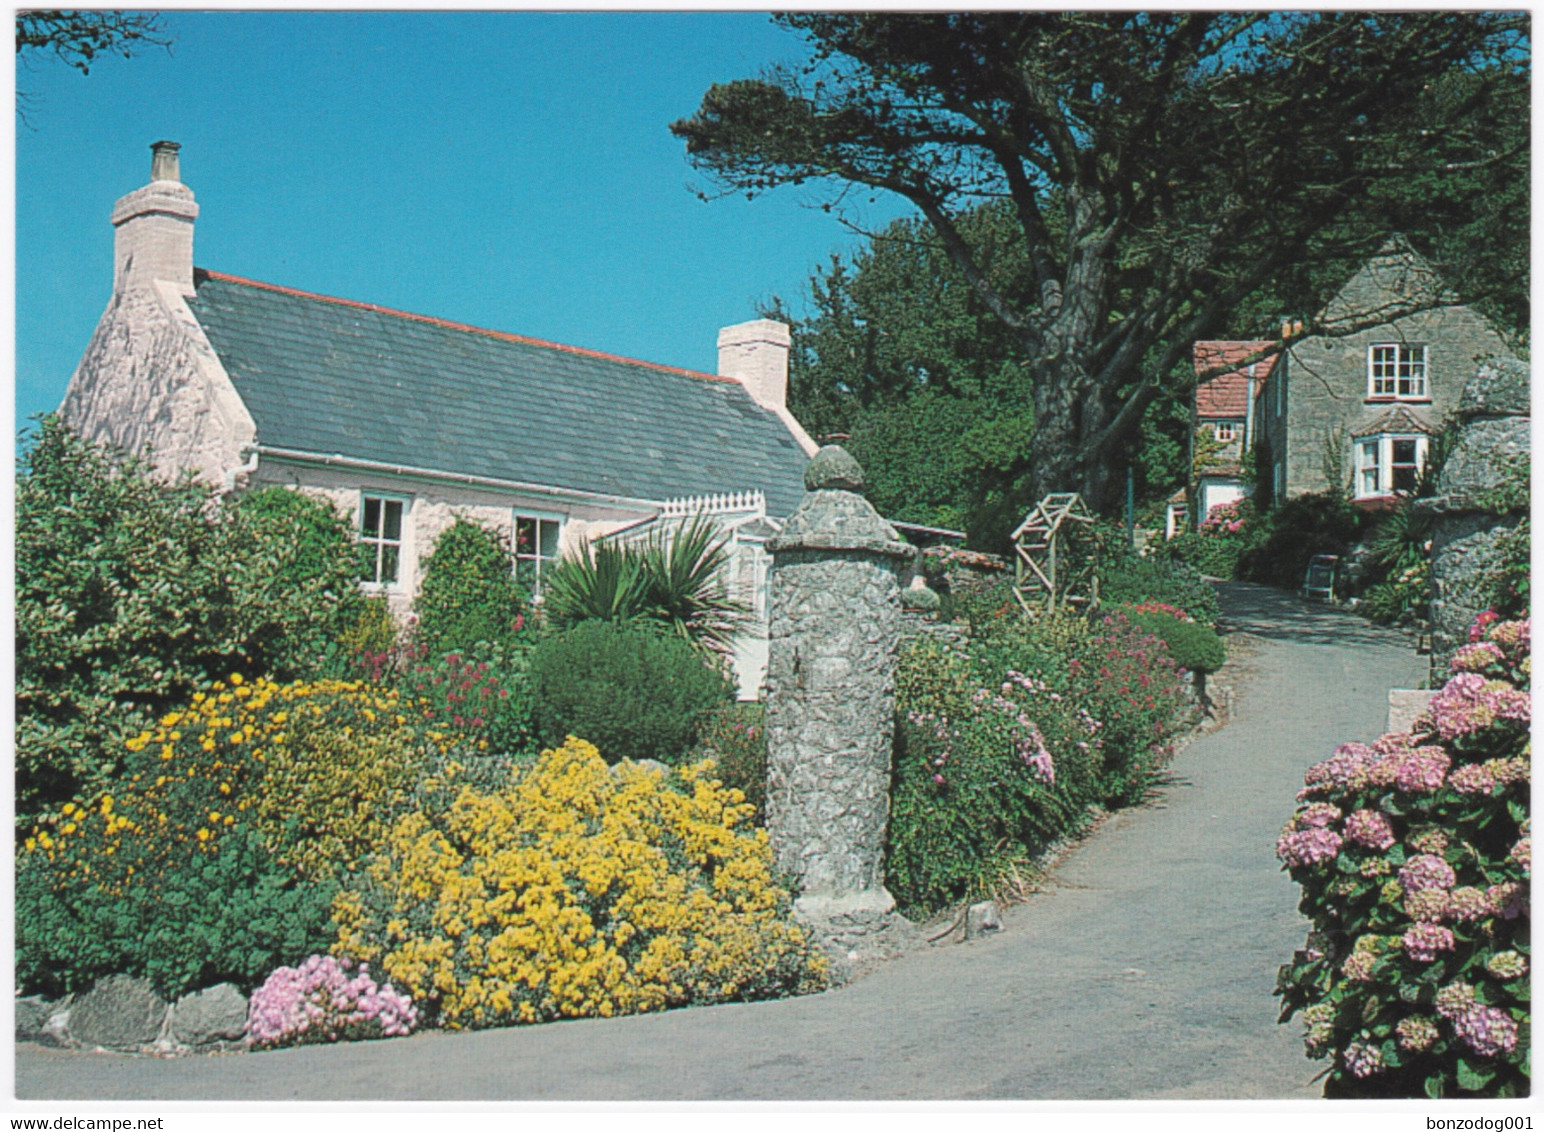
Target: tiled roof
{"x": 1226, "y": 396}
{"x": 336, "y": 377}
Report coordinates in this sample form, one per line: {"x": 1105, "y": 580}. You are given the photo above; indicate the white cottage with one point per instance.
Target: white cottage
{"x": 405, "y": 421}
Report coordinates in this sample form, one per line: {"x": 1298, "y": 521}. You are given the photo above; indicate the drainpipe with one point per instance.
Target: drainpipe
{"x": 245, "y": 469}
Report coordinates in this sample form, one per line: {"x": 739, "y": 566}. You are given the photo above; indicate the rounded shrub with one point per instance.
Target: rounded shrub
{"x": 1192, "y": 646}
{"x": 1414, "y": 855}
{"x": 578, "y": 890}
{"x": 635, "y": 692}
{"x": 469, "y": 592}
{"x": 1129, "y": 579}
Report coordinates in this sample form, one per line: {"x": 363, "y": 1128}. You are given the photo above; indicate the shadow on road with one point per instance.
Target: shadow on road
{"x": 1282, "y": 616}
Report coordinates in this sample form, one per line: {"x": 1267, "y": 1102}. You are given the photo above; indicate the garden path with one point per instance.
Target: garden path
{"x": 1144, "y": 970}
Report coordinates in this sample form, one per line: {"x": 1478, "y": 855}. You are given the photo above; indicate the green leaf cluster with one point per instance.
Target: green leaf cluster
{"x": 674, "y": 580}
{"x": 633, "y": 690}
{"x": 469, "y": 592}
{"x": 131, "y": 593}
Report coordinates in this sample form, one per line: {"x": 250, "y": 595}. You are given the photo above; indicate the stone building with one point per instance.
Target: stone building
{"x": 404, "y": 421}
{"x": 1356, "y": 405}
{"x": 1225, "y": 423}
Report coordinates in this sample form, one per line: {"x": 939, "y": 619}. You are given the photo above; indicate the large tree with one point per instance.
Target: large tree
{"x": 1161, "y": 167}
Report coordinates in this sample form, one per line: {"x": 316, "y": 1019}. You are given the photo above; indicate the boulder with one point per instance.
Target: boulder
{"x": 119, "y": 1013}
{"x": 33, "y": 1013}
{"x": 981, "y": 919}
{"x": 209, "y": 1017}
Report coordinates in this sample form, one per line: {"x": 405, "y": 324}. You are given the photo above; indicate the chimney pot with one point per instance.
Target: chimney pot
{"x": 163, "y": 161}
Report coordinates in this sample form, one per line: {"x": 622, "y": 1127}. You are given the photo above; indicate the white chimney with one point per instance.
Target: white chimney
{"x": 153, "y": 237}
{"x": 756, "y": 355}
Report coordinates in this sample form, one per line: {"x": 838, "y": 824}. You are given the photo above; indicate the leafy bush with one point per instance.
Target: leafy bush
{"x": 674, "y": 580}
{"x": 130, "y": 595}
{"x": 633, "y": 691}
{"x": 1192, "y": 646}
{"x": 735, "y": 738}
{"x": 1282, "y": 541}
{"x": 1413, "y": 856}
{"x": 1216, "y": 556}
{"x": 216, "y": 855}
{"x": 483, "y": 696}
{"x": 1127, "y": 579}
{"x": 469, "y": 592}
{"x": 319, "y": 1002}
{"x": 228, "y": 912}
{"x": 578, "y": 890}
{"x": 978, "y": 787}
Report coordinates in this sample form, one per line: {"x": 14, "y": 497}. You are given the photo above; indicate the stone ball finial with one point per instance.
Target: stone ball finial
{"x": 833, "y": 469}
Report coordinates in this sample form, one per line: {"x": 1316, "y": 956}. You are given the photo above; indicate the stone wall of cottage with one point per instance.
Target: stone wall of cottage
{"x": 1493, "y": 438}
{"x": 1327, "y": 390}
{"x": 150, "y": 382}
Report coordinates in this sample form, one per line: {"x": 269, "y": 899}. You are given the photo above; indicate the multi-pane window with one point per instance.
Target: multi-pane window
{"x": 380, "y": 530}
{"x": 1389, "y": 465}
{"x": 1225, "y": 430}
{"x": 1395, "y": 369}
{"x": 536, "y": 548}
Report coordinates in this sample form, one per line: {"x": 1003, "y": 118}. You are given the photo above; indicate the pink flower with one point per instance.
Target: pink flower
{"x": 1484, "y": 620}
{"x": 1472, "y": 778}
{"x": 1454, "y": 1000}
{"x": 1312, "y": 846}
{"x": 1318, "y": 815}
{"x": 1487, "y": 1030}
{"x": 1477, "y": 657}
{"x": 1363, "y": 1060}
{"x": 1469, "y": 904}
{"x": 1416, "y": 1034}
{"x": 1424, "y": 941}
{"x": 1510, "y": 899}
{"x": 1370, "y": 829}
{"x": 1426, "y": 871}
{"x": 1522, "y": 852}
{"x": 1428, "y": 904}
{"x": 1421, "y": 770}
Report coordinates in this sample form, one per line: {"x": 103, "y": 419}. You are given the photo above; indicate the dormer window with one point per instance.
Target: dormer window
{"x": 1225, "y": 431}
{"x": 1396, "y": 369}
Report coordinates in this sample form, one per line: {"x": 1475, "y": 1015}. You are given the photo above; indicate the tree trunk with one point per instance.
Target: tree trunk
{"x": 1070, "y": 415}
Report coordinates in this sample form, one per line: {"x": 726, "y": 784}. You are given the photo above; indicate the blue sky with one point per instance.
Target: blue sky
{"x": 510, "y": 170}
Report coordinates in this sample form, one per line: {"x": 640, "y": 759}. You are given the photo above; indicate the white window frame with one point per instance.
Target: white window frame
{"x": 537, "y": 559}
{"x": 380, "y": 542}
{"x": 1226, "y": 431}
{"x": 1373, "y": 459}
{"x": 1397, "y": 371}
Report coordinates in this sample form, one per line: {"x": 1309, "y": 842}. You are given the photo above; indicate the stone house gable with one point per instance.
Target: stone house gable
{"x": 405, "y": 421}
{"x": 1355, "y": 407}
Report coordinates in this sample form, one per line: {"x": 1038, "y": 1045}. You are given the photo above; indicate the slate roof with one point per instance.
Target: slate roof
{"x": 1226, "y": 396}
{"x": 336, "y": 377}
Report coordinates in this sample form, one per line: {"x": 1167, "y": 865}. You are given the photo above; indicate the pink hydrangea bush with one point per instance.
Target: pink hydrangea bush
{"x": 319, "y": 1002}
{"x": 1413, "y": 855}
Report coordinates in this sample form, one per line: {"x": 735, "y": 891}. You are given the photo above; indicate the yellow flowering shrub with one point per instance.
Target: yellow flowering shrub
{"x": 243, "y": 806}
{"x": 577, "y": 890}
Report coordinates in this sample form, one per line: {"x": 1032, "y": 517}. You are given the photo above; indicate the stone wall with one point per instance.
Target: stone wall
{"x": 1493, "y": 437}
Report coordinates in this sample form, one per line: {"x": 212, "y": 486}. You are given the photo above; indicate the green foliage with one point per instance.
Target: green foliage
{"x": 231, "y": 915}
{"x": 131, "y": 594}
{"x": 1216, "y": 556}
{"x": 674, "y": 580}
{"x": 1509, "y": 581}
{"x": 1281, "y": 541}
{"x": 1130, "y": 579}
{"x": 633, "y": 691}
{"x": 252, "y": 801}
{"x": 469, "y": 592}
{"x": 1002, "y": 749}
{"x": 1414, "y": 856}
{"x": 735, "y": 738}
{"x": 1093, "y": 139}
{"x": 483, "y": 695}
{"x": 1192, "y": 646}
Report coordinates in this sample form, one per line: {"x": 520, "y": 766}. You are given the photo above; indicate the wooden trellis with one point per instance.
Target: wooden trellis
{"x": 1055, "y": 559}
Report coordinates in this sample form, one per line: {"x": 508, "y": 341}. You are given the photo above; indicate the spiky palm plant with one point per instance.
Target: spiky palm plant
{"x": 673, "y": 580}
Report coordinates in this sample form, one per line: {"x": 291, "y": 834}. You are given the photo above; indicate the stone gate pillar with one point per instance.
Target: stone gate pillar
{"x": 834, "y": 637}
{"x": 1493, "y": 427}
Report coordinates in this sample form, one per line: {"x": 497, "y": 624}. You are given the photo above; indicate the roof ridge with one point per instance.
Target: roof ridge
{"x": 502, "y": 335}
